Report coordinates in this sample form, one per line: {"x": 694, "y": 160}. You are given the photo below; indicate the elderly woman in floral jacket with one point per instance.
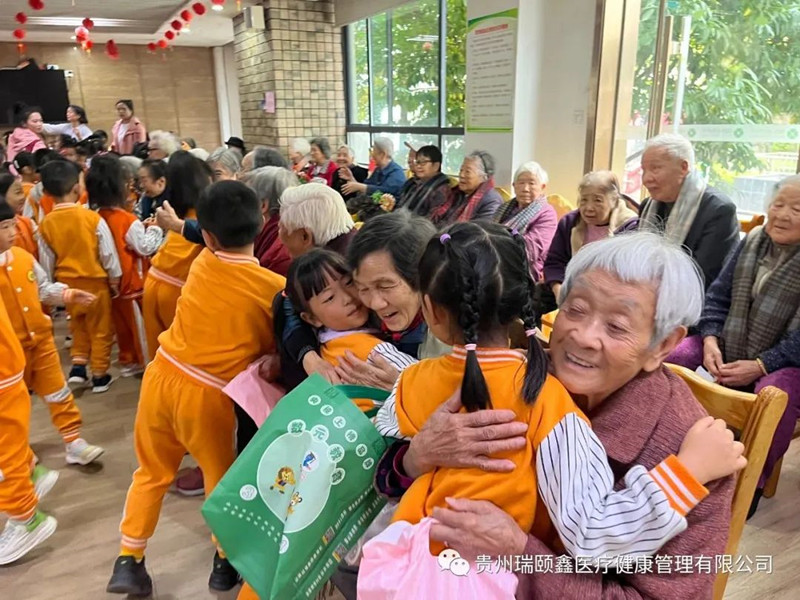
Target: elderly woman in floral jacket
{"x": 750, "y": 330}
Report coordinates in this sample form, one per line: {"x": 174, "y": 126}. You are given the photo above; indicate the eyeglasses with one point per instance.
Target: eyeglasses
{"x": 420, "y": 162}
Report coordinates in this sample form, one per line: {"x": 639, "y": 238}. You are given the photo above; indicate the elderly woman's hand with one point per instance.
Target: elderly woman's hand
{"x": 346, "y": 174}
{"x": 168, "y": 219}
{"x": 477, "y": 527}
{"x": 353, "y": 187}
{"x": 712, "y": 355}
{"x": 314, "y": 363}
{"x": 450, "y": 438}
{"x": 740, "y": 373}
{"x": 378, "y": 374}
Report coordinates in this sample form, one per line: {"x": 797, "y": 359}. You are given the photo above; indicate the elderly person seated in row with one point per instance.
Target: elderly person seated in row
{"x": 225, "y": 163}
{"x": 626, "y": 303}
{"x": 262, "y": 156}
{"x": 428, "y": 187}
{"x": 750, "y": 330}
{"x": 153, "y": 184}
{"x": 346, "y": 163}
{"x": 162, "y": 145}
{"x": 475, "y": 197}
{"x": 321, "y": 168}
{"x": 531, "y": 214}
{"x": 299, "y": 154}
{"x": 690, "y": 213}
{"x": 601, "y": 213}
{"x": 387, "y": 178}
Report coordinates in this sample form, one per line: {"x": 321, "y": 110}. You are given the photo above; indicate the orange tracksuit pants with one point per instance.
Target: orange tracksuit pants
{"x": 247, "y": 593}
{"x": 44, "y": 376}
{"x": 177, "y": 414}
{"x": 91, "y": 326}
{"x": 17, "y": 497}
{"x": 128, "y": 325}
{"x": 158, "y": 306}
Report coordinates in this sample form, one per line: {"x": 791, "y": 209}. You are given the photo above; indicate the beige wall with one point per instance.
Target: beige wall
{"x": 175, "y": 91}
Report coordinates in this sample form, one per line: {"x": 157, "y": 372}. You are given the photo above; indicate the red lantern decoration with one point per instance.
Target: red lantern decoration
{"x": 186, "y": 15}
{"x": 152, "y": 46}
{"x": 169, "y": 35}
{"x": 177, "y": 25}
{"x": 218, "y": 2}
{"x": 21, "y": 18}
{"x": 162, "y": 44}
{"x": 88, "y": 45}
{"x": 88, "y": 23}
{"x": 36, "y": 4}
{"x": 199, "y": 8}
{"x": 19, "y": 34}
{"x": 81, "y": 34}
{"x": 112, "y": 50}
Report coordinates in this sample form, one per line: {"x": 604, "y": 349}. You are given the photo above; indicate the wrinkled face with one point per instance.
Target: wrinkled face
{"x": 15, "y": 196}
{"x": 783, "y": 217}
{"x": 343, "y": 158}
{"x": 151, "y": 187}
{"x": 471, "y": 175}
{"x": 123, "y": 112}
{"x": 153, "y": 151}
{"x": 337, "y": 306}
{"x": 295, "y": 156}
{"x": 297, "y": 243}
{"x": 317, "y": 156}
{"x": 602, "y": 335}
{"x": 8, "y": 233}
{"x": 424, "y": 168}
{"x": 528, "y": 188}
{"x": 595, "y": 206}
{"x": 247, "y": 163}
{"x": 35, "y": 123}
{"x": 379, "y": 156}
{"x": 221, "y": 173}
{"x": 383, "y": 290}
{"x": 663, "y": 174}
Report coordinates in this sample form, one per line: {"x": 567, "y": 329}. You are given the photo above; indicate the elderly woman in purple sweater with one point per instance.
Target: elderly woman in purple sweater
{"x": 750, "y": 330}
{"x": 530, "y": 214}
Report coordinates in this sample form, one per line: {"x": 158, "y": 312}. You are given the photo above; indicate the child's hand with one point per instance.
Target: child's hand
{"x": 270, "y": 369}
{"x": 82, "y": 298}
{"x": 313, "y": 363}
{"x": 709, "y": 452}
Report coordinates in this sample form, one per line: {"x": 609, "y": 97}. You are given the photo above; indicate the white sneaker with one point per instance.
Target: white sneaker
{"x": 80, "y": 452}
{"x": 43, "y": 480}
{"x": 17, "y": 539}
{"x": 130, "y": 370}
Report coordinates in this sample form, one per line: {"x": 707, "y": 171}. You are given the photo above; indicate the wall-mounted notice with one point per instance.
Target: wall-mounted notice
{"x": 491, "y": 71}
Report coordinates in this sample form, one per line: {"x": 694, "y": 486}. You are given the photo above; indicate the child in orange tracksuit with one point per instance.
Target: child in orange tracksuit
{"x": 23, "y": 286}
{"x": 105, "y": 183}
{"x": 27, "y": 527}
{"x": 223, "y": 323}
{"x": 76, "y": 245}
{"x": 12, "y": 192}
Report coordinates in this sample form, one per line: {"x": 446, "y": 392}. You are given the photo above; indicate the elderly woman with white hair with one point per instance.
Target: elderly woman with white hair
{"x": 347, "y": 170}
{"x": 225, "y": 163}
{"x": 299, "y": 154}
{"x": 691, "y": 214}
{"x": 531, "y": 214}
{"x": 475, "y": 197}
{"x": 749, "y": 334}
{"x": 627, "y": 301}
{"x": 162, "y": 145}
{"x": 387, "y": 178}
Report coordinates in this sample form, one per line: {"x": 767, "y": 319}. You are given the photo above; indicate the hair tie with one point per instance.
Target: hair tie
{"x": 515, "y": 232}
{"x": 470, "y": 347}
{"x": 444, "y": 238}
{"x": 531, "y": 332}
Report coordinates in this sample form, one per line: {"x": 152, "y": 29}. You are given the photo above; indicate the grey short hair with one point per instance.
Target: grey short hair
{"x": 200, "y": 153}
{"x": 677, "y": 146}
{"x": 350, "y": 152}
{"x": 534, "y": 169}
{"x": 484, "y": 160}
{"x": 130, "y": 164}
{"x": 384, "y": 144}
{"x": 790, "y": 180}
{"x": 300, "y": 145}
{"x": 268, "y": 157}
{"x": 229, "y": 159}
{"x": 165, "y": 141}
{"x": 269, "y": 184}
{"x": 643, "y": 257}
{"x": 319, "y": 209}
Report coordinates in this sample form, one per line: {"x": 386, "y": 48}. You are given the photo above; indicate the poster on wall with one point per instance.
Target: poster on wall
{"x": 491, "y": 71}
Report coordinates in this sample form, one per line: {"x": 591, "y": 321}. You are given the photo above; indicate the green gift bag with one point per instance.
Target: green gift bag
{"x": 301, "y": 494}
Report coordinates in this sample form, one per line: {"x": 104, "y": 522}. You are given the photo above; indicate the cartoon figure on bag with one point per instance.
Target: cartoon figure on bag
{"x": 296, "y": 499}
{"x": 285, "y": 477}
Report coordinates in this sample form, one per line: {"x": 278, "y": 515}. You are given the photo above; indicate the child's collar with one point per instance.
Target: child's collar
{"x": 232, "y": 257}
{"x": 328, "y": 335}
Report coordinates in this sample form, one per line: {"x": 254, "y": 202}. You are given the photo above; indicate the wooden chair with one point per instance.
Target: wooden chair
{"x": 561, "y": 204}
{"x": 745, "y": 224}
{"x": 547, "y": 324}
{"x": 504, "y": 193}
{"x": 771, "y": 485}
{"x": 756, "y": 417}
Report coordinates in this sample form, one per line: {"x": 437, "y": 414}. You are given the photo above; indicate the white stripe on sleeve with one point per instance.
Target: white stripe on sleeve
{"x": 107, "y": 250}
{"x": 49, "y": 292}
{"x": 386, "y": 421}
{"x": 145, "y": 241}
{"x": 399, "y": 360}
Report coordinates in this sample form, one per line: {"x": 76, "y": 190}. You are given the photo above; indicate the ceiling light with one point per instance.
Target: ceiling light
{"x": 217, "y": 7}
{"x": 73, "y": 37}
{"x": 78, "y": 22}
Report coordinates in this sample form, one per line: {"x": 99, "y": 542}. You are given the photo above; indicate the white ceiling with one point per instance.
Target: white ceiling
{"x": 126, "y": 21}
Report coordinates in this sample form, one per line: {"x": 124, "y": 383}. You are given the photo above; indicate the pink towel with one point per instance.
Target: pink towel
{"x": 255, "y": 395}
{"x": 397, "y": 564}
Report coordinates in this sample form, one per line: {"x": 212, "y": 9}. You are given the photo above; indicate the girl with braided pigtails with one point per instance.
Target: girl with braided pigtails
{"x": 474, "y": 281}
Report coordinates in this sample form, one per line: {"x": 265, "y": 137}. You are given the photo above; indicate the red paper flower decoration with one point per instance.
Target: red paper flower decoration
{"x": 152, "y": 46}
{"x": 162, "y": 44}
{"x": 88, "y": 45}
{"x": 186, "y": 15}
{"x": 21, "y": 18}
{"x": 36, "y": 4}
{"x": 112, "y": 50}
{"x": 177, "y": 25}
{"x": 199, "y": 8}
{"x": 169, "y": 35}
{"x": 218, "y": 2}
{"x": 81, "y": 34}
{"x": 88, "y": 23}
{"x": 19, "y": 34}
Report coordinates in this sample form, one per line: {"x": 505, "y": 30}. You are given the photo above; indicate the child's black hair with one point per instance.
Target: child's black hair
{"x": 59, "y": 177}
{"x": 23, "y": 160}
{"x": 6, "y": 179}
{"x": 187, "y": 176}
{"x": 230, "y": 211}
{"x": 44, "y": 155}
{"x": 105, "y": 182}
{"x": 67, "y": 141}
{"x": 479, "y": 273}
{"x": 6, "y": 212}
{"x": 309, "y": 274}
